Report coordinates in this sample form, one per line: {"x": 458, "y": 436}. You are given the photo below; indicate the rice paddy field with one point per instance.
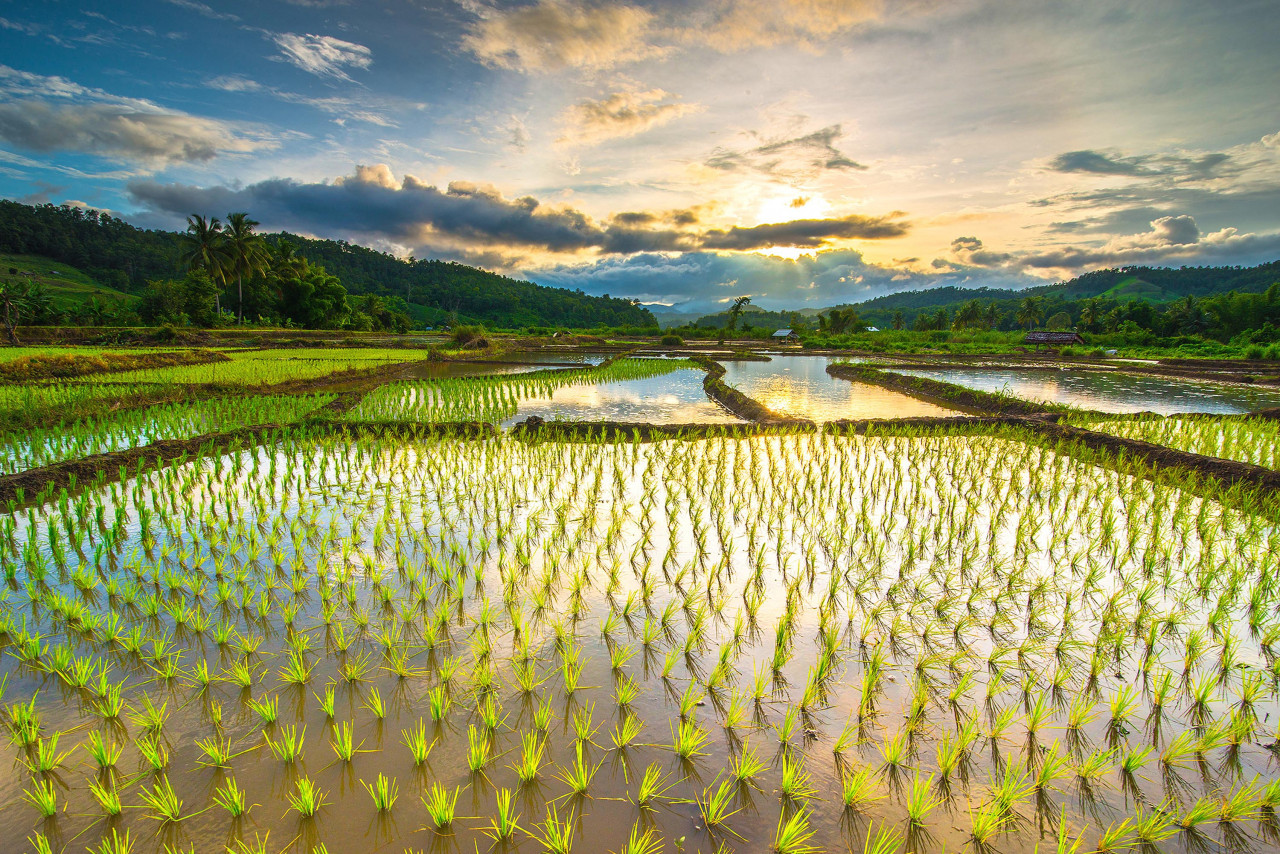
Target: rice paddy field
{"x": 347, "y": 637}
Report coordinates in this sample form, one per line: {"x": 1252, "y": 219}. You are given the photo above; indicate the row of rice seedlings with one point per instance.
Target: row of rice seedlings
{"x": 264, "y": 367}
{"x": 136, "y": 427}
{"x": 870, "y": 613}
{"x": 494, "y": 398}
{"x": 1247, "y": 440}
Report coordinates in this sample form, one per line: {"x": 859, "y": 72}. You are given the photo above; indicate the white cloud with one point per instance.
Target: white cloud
{"x": 324, "y": 56}
{"x": 621, "y": 114}
{"x": 552, "y": 34}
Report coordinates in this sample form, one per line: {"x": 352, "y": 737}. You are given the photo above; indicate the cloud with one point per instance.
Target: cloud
{"x": 741, "y": 24}
{"x": 1089, "y": 161}
{"x": 203, "y": 9}
{"x": 695, "y": 281}
{"x": 622, "y": 114}
{"x": 46, "y": 114}
{"x": 555, "y": 34}
{"x": 789, "y": 158}
{"x": 324, "y": 56}
{"x": 370, "y": 108}
{"x": 465, "y": 217}
{"x": 804, "y": 233}
{"x": 1168, "y": 238}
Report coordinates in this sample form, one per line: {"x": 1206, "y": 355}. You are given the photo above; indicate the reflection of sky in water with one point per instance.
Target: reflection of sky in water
{"x": 1113, "y": 392}
{"x": 800, "y": 386}
{"x": 675, "y": 398}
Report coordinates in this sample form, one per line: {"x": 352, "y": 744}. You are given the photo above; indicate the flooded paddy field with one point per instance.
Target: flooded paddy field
{"x": 926, "y": 642}
{"x": 1111, "y": 391}
{"x": 800, "y": 387}
{"x": 734, "y": 643}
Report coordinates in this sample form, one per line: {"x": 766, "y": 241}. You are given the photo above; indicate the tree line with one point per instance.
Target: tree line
{"x": 379, "y": 285}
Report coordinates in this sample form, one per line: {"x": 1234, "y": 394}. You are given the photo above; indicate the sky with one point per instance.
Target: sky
{"x": 805, "y": 153}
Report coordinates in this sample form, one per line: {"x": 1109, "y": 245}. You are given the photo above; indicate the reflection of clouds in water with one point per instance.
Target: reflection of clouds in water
{"x": 672, "y": 398}
{"x": 800, "y": 386}
{"x": 1113, "y": 392}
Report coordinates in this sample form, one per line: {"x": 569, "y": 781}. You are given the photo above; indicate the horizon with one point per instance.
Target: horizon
{"x": 803, "y": 154}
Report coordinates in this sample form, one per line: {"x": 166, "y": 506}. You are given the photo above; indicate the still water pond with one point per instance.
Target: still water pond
{"x": 1113, "y": 392}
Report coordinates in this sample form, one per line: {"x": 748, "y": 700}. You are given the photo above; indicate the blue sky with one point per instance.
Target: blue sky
{"x": 802, "y": 152}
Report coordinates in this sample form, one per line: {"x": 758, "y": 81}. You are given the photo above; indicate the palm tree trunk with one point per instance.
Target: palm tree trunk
{"x": 240, "y": 289}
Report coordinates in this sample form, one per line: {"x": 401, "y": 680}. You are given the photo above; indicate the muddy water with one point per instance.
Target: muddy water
{"x": 673, "y": 398}
{"x": 918, "y": 569}
{"x": 1112, "y": 392}
{"x": 800, "y": 386}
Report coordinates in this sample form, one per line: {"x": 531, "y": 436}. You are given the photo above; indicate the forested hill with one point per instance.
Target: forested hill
{"x": 1153, "y": 284}
{"x": 124, "y": 257}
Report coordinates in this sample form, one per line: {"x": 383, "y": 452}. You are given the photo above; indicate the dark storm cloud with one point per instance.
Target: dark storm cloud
{"x": 371, "y": 203}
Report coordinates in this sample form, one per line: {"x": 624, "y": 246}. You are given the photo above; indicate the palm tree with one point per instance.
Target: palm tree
{"x": 1029, "y": 312}
{"x": 204, "y": 247}
{"x": 246, "y": 253}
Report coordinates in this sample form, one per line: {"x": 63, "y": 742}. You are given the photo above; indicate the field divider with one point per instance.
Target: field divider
{"x": 740, "y": 404}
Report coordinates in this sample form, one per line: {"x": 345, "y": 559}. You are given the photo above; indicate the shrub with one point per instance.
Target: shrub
{"x": 672, "y": 340}
{"x": 465, "y": 335}
{"x": 1254, "y": 351}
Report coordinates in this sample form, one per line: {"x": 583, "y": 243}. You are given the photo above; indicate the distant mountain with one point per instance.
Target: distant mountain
{"x": 121, "y": 257}
{"x": 1124, "y": 284}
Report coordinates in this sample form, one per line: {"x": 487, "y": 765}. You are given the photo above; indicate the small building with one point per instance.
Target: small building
{"x": 873, "y": 328}
{"x": 785, "y": 336}
{"x": 1052, "y": 339}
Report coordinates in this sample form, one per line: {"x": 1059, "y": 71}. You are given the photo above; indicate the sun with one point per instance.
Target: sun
{"x": 783, "y": 208}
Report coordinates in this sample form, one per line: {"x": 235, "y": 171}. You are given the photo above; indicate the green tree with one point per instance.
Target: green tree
{"x": 969, "y": 315}
{"x": 898, "y": 320}
{"x": 21, "y": 301}
{"x": 204, "y": 247}
{"x": 246, "y": 254}
{"x": 1029, "y": 312}
{"x": 734, "y": 313}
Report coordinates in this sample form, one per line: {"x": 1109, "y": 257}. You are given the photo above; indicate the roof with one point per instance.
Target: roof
{"x": 1052, "y": 338}
{"x": 783, "y": 333}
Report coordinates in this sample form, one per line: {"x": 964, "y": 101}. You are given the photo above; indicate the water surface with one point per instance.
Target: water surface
{"x": 674, "y": 398}
{"x": 1112, "y": 392}
{"x": 800, "y": 386}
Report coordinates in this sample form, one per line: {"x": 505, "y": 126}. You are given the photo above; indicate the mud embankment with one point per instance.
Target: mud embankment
{"x": 73, "y": 365}
{"x": 737, "y": 402}
{"x": 945, "y": 394}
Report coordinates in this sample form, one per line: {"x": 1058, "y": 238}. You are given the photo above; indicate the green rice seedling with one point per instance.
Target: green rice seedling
{"x": 555, "y": 834}
{"x": 653, "y": 788}
{"x": 287, "y": 747}
{"x": 579, "y": 775}
{"x": 1243, "y": 804}
{"x": 505, "y": 820}
{"x": 296, "y": 669}
{"x": 327, "y": 701}
{"x": 793, "y": 834}
{"x": 1117, "y": 836}
{"x": 716, "y": 806}
{"x": 149, "y": 717}
{"x": 529, "y": 759}
{"x": 104, "y": 753}
{"x": 583, "y": 730}
{"x": 217, "y": 752}
{"x": 438, "y": 702}
{"x": 794, "y": 785}
{"x": 268, "y": 709}
{"x": 626, "y": 732}
{"x": 231, "y": 798}
{"x": 165, "y": 804}
{"x": 384, "y": 791}
{"x": 108, "y": 798}
{"x": 920, "y": 800}
{"x": 986, "y": 823}
{"x": 859, "y": 788}
{"x": 440, "y": 805}
{"x": 1153, "y": 827}
{"x": 415, "y": 739}
{"x": 688, "y": 740}
{"x": 154, "y": 753}
{"x": 477, "y": 750}
{"x": 306, "y": 799}
{"x": 43, "y": 796}
{"x": 882, "y": 840}
{"x": 542, "y": 715}
{"x": 374, "y": 704}
{"x": 648, "y": 842}
{"x": 23, "y": 721}
{"x": 45, "y": 757}
{"x": 115, "y": 844}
